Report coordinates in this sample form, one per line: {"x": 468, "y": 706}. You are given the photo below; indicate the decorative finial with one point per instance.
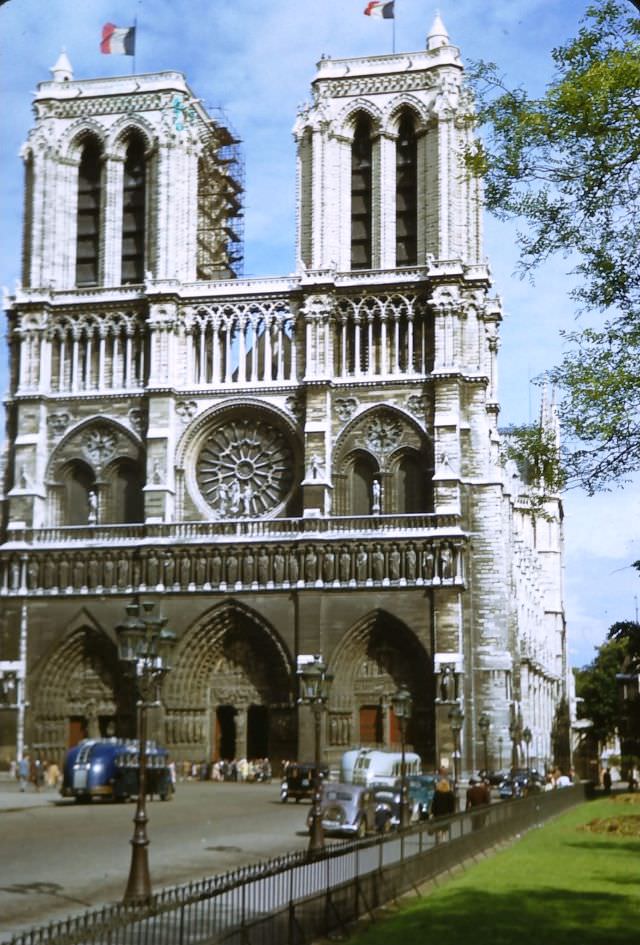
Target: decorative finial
{"x": 437, "y": 35}
{"x": 62, "y": 71}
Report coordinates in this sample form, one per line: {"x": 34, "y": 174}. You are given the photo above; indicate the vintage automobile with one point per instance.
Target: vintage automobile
{"x": 298, "y": 780}
{"x": 421, "y": 788}
{"x": 108, "y": 768}
{"x": 520, "y": 783}
{"x": 351, "y": 810}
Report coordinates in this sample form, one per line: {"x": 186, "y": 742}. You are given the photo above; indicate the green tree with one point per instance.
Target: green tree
{"x": 596, "y": 686}
{"x": 567, "y": 164}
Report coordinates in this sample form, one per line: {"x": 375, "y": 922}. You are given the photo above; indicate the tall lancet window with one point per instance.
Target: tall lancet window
{"x": 89, "y": 200}
{"x": 361, "y": 203}
{"x": 406, "y": 194}
{"x": 133, "y": 211}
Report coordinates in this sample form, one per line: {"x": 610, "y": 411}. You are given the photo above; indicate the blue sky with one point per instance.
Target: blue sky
{"x": 256, "y": 60}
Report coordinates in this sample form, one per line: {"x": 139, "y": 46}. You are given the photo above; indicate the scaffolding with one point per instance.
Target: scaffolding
{"x": 221, "y": 179}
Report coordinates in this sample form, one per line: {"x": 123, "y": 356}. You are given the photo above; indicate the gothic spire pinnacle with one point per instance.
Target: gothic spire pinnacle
{"x": 437, "y": 35}
{"x": 62, "y": 71}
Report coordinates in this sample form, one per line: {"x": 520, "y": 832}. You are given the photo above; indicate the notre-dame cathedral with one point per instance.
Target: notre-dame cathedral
{"x": 291, "y": 466}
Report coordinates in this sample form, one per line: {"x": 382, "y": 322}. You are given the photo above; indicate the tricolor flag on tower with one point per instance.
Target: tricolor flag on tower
{"x": 378, "y": 8}
{"x": 118, "y": 39}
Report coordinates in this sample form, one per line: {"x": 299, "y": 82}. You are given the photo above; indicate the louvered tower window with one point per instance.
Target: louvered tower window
{"x": 406, "y": 194}
{"x": 89, "y": 198}
{"x": 361, "y": 203}
{"x": 133, "y": 212}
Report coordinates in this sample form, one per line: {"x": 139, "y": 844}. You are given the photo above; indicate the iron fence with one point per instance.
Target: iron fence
{"x": 293, "y": 899}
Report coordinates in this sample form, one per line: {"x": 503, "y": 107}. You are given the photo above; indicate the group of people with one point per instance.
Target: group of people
{"x": 35, "y": 771}
{"x": 242, "y": 769}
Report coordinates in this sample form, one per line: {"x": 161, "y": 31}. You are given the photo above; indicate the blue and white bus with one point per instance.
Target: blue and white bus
{"x": 110, "y": 768}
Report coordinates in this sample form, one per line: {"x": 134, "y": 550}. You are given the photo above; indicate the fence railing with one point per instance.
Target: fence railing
{"x": 292, "y": 900}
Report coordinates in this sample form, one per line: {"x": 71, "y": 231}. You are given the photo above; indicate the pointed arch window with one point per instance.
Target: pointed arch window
{"x": 406, "y": 193}
{"x": 361, "y": 195}
{"x": 89, "y": 212}
{"x": 133, "y": 211}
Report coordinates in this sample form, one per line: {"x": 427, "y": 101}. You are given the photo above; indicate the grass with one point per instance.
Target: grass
{"x": 564, "y": 884}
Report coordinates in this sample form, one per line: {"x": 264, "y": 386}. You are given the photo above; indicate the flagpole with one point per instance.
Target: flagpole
{"x": 393, "y": 31}
{"x": 135, "y": 43}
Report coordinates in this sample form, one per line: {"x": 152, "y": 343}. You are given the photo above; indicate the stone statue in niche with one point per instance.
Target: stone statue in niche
{"x": 329, "y": 566}
{"x": 394, "y": 563}
{"x": 447, "y": 684}
{"x": 263, "y": 566}
{"x": 33, "y": 574}
{"x": 216, "y": 568}
{"x": 361, "y": 564}
{"x": 427, "y": 563}
{"x": 245, "y": 499}
{"x": 201, "y": 569}
{"x": 410, "y": 563}
{"x": 375, "y": 497}
{"x": 345, "y": 565}
{"x": 278, "y": 566}
{"x": 294, "y": 569}
{"x": 92, "y": 502}
{"x": 310, "y": 566}
{"x": 107, "y": 570}
{"x": 446, "y": 563}
{"x": 152, "y": 569}
{"x": 377, "y": 563}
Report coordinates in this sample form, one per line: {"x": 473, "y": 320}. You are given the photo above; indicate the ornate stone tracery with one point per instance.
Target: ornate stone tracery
{"x": 245, "y": 468}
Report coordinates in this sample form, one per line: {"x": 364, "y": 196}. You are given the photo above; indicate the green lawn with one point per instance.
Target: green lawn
{"x": 558, "y": 885}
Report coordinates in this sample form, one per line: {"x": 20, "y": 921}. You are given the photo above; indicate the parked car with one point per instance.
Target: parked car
{"x": 494, "y": 778}
{"x": 520, "y": 782}
{"x": 421, "y": 790}
{"x": 351, "y": 810}
{"x": 298, "y": 780}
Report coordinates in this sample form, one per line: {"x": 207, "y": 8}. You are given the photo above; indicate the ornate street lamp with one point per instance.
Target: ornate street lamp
{"x": 456, "y": 721}
{"x": 315, "y": 684}
{"x": 527, "y": 736}
{"x": 145, "y": 647}
{"x": 484, "y": 724}
{"x": 402, "y": 705}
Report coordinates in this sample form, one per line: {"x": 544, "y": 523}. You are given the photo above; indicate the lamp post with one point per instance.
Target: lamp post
{"x": 401, "y": 701}
{"x": 315, "y": 683}
{"x": 144, "y": 646}
{"x": 527, "y": 736}
{"x": 456, "y": 720}
{"x": 500, "y": 744}
{"x": 515, "y": 734}
{"x": 484, "y": 724}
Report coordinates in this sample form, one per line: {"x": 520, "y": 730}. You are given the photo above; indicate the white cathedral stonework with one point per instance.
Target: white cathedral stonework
{"x": 300, "y": 465}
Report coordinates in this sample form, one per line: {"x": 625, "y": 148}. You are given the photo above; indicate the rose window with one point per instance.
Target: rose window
{"x": 245, "y": 468}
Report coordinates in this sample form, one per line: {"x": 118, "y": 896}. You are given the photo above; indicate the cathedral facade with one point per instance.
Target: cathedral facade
{"x": 295, "y": 466}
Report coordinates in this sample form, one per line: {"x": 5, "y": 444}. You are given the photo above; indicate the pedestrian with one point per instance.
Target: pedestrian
{"x": 606, "y": 781}
{"x": 477, "y": 796}
{"x": 24, "y": 772}
{"x": 443, "y": 804}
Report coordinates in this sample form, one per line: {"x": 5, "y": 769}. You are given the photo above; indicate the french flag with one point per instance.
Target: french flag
{"x": 376, "y": 8}
{"x": 120, "y": 40}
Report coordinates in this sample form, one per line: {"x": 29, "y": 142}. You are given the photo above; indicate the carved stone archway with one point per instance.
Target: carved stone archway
{"x": 377, "y": 656}
{"x": 79, "y": 692}
{"x": 231, "y": 690}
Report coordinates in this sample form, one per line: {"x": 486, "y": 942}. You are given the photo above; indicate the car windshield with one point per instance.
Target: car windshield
{"x": 338, "y": 796}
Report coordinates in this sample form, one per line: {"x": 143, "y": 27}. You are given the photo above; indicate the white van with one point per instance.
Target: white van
{"x": 370, "y": 766}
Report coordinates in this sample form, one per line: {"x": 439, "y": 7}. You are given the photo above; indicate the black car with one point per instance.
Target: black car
{"x": 298, "y": 780}
{"x": 520, "y": 782}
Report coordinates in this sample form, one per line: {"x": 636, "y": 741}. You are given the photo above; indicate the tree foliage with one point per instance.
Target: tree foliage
{"x": 534, "y": 449}
{"x": 567, "y": 163}
{"x": 596, "y": 683}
